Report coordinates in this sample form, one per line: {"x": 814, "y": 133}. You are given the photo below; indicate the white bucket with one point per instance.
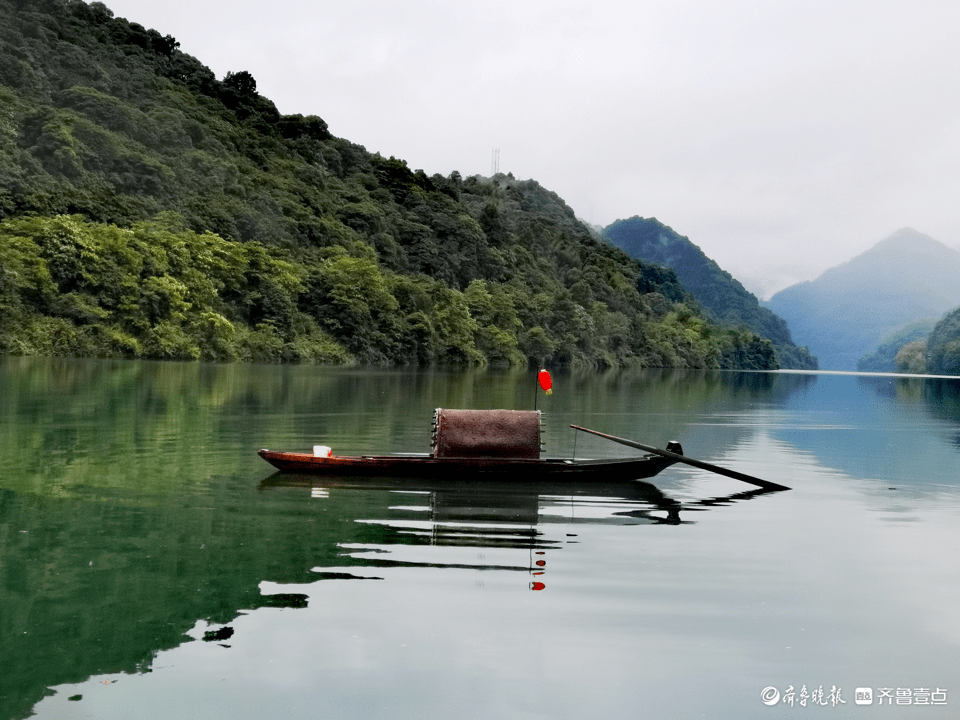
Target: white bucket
{"x": 321, "y": 451}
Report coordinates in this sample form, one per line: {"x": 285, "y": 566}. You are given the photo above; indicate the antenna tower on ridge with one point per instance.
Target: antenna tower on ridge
{"x": 495, "y": 161}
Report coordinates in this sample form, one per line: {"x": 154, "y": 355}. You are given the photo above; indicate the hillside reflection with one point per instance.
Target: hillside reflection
{"x": 97, "y": 584}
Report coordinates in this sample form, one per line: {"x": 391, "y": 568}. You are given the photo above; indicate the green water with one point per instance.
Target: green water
{"x": 151, "y": 565}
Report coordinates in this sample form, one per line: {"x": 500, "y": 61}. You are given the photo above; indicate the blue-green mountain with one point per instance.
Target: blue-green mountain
{"x": 851, "y": 309}
{"x": 723, "y": 297}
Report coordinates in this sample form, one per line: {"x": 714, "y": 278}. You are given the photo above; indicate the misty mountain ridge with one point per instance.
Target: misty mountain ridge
{"x": 850, "y": 309}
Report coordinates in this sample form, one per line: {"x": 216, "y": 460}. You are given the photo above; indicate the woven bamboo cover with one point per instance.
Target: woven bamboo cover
{"x": 487, "y": 433}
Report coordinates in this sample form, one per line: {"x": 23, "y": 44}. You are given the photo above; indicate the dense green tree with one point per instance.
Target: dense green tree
{"x": 71, "y": 287}
{"x": 912, "y": 357}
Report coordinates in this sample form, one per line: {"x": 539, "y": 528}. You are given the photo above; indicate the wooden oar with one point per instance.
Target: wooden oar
{"x": 766, "y": 484}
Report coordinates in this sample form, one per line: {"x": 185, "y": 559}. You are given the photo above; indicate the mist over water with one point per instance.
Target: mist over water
{"x": 152, "y": 564}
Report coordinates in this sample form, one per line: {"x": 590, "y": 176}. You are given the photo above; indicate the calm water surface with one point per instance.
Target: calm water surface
{"x": 152, "y": 566}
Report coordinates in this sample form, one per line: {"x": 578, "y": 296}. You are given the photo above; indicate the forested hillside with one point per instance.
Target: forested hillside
{"x": 883, "y": 358}
{"x": 149, "y": 209}
{"x": 936, "y": 352}
{"x": 727, "y": 301}
{"x": 943, "y": 346}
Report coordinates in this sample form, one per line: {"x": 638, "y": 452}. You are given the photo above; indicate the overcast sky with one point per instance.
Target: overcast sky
{"x": 781, "y": 137}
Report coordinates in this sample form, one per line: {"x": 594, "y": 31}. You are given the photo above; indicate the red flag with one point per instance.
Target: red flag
{"x": 546, "y": 382}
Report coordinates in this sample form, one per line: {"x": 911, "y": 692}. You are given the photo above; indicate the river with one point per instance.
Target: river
{"x": 153, "y": 566}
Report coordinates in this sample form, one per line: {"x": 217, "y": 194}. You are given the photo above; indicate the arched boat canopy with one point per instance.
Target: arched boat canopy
{"x": 487, "y": 433}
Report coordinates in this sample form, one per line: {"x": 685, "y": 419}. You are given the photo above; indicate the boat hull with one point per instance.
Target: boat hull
{"x": 455, "y": 468}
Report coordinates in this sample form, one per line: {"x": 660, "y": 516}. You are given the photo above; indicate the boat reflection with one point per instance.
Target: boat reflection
{"x": 536, "y": 516}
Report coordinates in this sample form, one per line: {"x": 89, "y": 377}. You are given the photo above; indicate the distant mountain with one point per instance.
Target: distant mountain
{"x": 850, "y": 309}
{"x": 718, "y": 291}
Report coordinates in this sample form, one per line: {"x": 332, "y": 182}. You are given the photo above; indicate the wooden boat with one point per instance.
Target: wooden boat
{"x": 471, "y": 443}
{"x": 428, "y": 466}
